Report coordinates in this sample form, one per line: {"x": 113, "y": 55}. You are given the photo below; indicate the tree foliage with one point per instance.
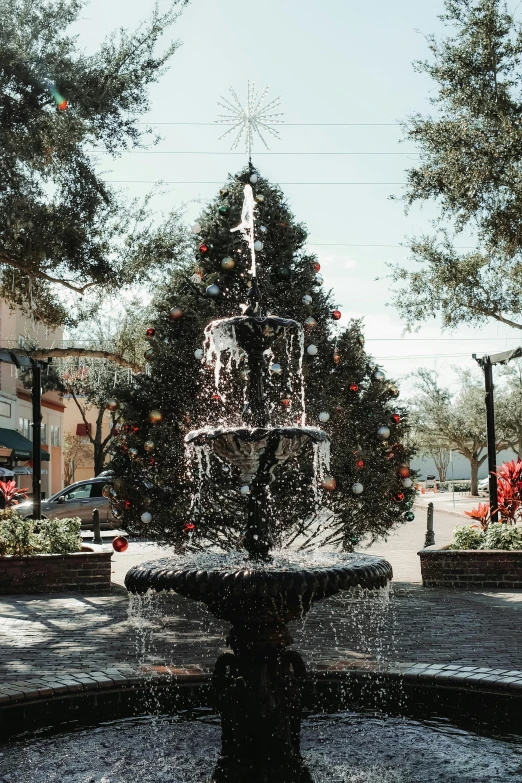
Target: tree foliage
{"x": 62, "y": 227}
{"x": 152, "y": 472}
{"x": 455, "y": 421}
{"x": 470, "y": 151}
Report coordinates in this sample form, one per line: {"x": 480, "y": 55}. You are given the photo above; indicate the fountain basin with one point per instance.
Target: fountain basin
{"x": 244, "y": 447}
{"x": 260, "y": 601}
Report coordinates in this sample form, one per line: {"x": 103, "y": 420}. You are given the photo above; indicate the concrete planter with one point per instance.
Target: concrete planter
{"x": 470, "y": 568}
{"x": 85, "y": 571}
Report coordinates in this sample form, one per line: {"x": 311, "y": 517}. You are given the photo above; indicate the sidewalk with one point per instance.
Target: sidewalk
{"x": 451, "y": 504}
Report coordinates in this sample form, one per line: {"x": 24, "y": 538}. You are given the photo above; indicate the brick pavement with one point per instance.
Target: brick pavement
{"x": 53, "y": 635}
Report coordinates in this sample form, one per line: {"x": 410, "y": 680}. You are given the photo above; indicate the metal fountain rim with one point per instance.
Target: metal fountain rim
{"x": 258, "y": 433}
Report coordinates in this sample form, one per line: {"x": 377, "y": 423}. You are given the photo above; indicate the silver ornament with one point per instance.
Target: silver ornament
{"x": 379, "y": 375}
{"x": 307, "y": 299}
{"x": 357, "y": 488}
{"x": 198, "y": 353}
{"x": 407, "y": 483}
{"x": 263, "y": 229}
{"x": 253, "y": 178}
{"x": 319, "y": 279}
{"x": 383, "y": 433}
{"x": 213, "y": 290}
{"x": 324, "y": 416}
{"x": 276, "y": 369}
{"x": 245, "y": 489}
{"x": 196, "y": 228}
{"x": 146, "y": 517}
{"x": 258, "y": 246}
{"x": 312, "y": 350}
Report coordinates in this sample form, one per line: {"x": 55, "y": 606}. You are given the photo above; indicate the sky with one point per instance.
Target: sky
{"x": 343, "y": 70}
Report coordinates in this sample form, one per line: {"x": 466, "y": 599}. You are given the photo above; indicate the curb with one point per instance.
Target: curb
{"x": 493, "y": 696}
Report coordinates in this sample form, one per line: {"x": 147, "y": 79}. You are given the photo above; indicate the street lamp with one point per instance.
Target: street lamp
{"x": 487, "y": 363}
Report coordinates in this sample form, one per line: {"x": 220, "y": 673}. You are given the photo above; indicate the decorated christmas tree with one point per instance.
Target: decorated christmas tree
{"x": 320, "y": 376}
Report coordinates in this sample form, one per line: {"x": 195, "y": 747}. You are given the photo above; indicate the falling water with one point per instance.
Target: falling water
{"x": 220, "y": 337}
{"x": 247, "y": 225}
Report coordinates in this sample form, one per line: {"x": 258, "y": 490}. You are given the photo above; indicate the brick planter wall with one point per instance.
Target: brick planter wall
{"x": 469, "y": 568}
{"x": 85, "y": 571}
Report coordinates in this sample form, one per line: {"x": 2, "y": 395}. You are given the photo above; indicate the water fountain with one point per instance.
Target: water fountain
{"x": 257, "y": 686}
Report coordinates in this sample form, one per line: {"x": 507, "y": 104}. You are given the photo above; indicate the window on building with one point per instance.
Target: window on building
{"x": 21, "y": 341}
{"x": 5, "y": 409}
{"x": 44, "y": 433}
{"x": 25, "y": 426}
{"x": 55, "y": 435}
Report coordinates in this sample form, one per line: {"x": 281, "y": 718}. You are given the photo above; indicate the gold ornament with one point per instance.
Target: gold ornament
{"x": 228, "y": 263}
{"x": 112, "y": 404}
{"x": 260, "y": 198}
{"x": 155, "y": 417}
{"x": 329, "y": 483}
{"x": 106, "y": 491}
{"x": 148, "y": 445}
{"x": 175, "y": 314}
{"x": 310, "y": 323}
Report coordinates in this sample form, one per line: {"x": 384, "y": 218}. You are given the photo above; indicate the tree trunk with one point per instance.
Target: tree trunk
{"x": 99, "y": 458}
{"x": 474, "y": 476}
{"x": 441, "y": 469}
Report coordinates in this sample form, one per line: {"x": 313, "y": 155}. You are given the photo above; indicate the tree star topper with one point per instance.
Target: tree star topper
{"x": 251, "y": 119}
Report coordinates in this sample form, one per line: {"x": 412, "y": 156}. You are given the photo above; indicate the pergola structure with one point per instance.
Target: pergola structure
{"x": 487, "y": 363}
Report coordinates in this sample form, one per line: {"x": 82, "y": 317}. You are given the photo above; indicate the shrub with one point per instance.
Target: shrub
{"x": 24, "y": 537}
{"x": 60, "y": 536}
{"x": 509, "y": 478}
{"x": 465, "y": 537}
{"x": 502, "y": 536}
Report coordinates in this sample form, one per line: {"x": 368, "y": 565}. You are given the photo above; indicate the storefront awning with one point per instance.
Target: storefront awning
{"x": 21, "y": 447}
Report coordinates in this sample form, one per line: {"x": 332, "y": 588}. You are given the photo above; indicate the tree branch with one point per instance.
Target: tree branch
{"x": 82, "y": 412}
{"x": 8, "y": 260}
{"x": 87, "y": 353}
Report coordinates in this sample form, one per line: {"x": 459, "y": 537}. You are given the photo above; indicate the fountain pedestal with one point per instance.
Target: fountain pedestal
{"x": 257, "y": 687}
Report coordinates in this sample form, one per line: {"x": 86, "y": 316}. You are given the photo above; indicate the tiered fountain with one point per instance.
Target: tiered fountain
{"x": 257, "y": 686}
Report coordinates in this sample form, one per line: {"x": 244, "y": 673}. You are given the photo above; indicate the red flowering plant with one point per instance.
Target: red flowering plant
{"x": 509, "y": 480}
{"x": 10, "y": 494}
{"x": 480, "y": 514}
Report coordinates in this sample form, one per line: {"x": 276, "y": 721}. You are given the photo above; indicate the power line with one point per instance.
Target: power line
{"x": 220, "y": 182}
{"x": 195, "y": 152}
{"x": 293, "y": 124}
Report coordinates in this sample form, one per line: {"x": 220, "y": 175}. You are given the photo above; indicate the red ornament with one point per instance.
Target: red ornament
{"x": 216, "y": 397}
{"x": 353, "y": 387}
{"x": 286, "y": 403}
{"x": 404, "y": 471}
{"x": 359, "y": 463}
{"x": 203, "y": 249}
{"x": 396, "y": 418}
{"x": 317, "y": 266}
{"x": 150, "y": 331}
{"x": 189, "y": 527}
{"x": 127, "y": 504}
{"x": 399, "y": 497}
{"x": 336, "y": 314}
{"x": 63, "y": 105}
{"x": 120, "y": 544}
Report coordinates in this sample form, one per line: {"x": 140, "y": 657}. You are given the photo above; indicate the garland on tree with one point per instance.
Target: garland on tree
{"x": 159, "y": 494}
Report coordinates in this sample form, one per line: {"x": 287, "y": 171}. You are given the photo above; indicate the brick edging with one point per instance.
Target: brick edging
{"x": 126, "y": 677}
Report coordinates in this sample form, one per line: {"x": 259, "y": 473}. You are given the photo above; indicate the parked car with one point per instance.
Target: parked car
{"x": 483, "y": 485}
{"x": 77, "y": 500}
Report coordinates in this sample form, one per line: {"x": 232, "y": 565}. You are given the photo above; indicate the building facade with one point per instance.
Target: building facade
{"x": 16, "y": 420}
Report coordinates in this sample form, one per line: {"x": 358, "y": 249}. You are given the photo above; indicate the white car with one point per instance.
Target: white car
{"x": 483, "y": 485}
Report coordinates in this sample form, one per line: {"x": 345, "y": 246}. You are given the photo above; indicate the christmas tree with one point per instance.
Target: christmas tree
{"x": 158, "y": 492}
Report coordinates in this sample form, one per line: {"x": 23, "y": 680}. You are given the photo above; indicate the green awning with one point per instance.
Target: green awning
{"x": 22, "y": 448}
